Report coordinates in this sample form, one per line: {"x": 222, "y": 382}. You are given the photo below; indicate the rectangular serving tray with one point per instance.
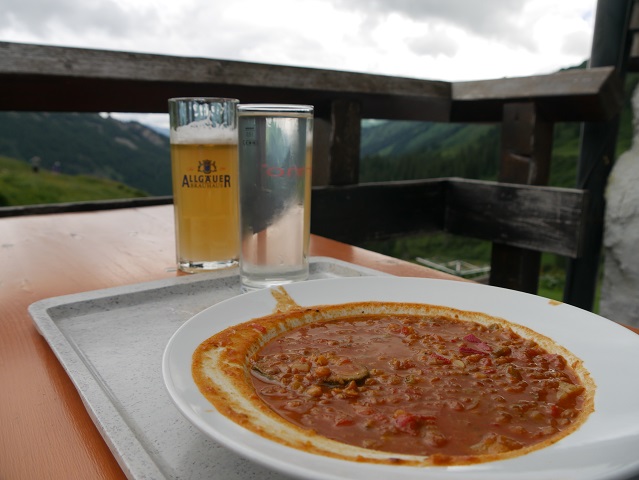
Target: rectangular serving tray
{"x": 111, "y": 342}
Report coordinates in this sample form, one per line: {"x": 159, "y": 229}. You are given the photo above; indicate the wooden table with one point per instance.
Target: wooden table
{"x": 45, "y": 431}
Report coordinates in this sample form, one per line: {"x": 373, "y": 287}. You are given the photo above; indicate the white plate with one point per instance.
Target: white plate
{"x": 605, "y": 447}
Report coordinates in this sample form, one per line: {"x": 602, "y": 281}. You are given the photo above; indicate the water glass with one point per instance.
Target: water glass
{"x": 275, "y": 159}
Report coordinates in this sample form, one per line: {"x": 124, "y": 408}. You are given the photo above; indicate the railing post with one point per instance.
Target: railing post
{"x": 610, "y": 47}
{"x": 345, "y": 140}
{"x": 525, "y": 158}
{"x": 321, "y": 143}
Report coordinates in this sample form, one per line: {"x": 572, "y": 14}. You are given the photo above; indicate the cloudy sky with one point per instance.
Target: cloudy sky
{"x": 450, "y": 40}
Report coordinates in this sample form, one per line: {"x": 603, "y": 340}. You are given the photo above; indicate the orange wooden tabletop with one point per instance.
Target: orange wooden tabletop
{"x": 45, "y": 430}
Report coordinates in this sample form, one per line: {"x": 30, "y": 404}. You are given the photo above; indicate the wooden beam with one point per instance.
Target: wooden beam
{"x": 356, "y": 213}
{"x": 345, "y": 137}
{"x": 542, "y": 219}
{"x": 526, "y": 145}
{"x": 570, "y": 95}
{"x": 45, "y": 78}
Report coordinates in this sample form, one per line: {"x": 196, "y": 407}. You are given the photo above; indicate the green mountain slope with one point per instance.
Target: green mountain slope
{"x": 396, "y": 138}
{"x": 91, "y": 145}
{"x": 411, "y": 150}
{"x": 19, "y": 185}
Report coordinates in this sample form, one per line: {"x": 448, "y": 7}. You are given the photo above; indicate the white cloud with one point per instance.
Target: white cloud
{"x": 441, "y": 40}
{"x": 434, "y": 44}
{"x": 575, "y": 43}
{"x": 452, "y": 40}
{"x": 495, "y": 19}
{"x": 45, "y": 19}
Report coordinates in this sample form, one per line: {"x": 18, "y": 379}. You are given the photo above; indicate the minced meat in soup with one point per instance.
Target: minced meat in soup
{"x": 417, "y": 385}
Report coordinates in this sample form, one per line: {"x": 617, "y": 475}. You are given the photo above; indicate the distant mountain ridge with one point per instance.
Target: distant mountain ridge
{"x": 402, "y": 150}
{"x": 89, "y": 144}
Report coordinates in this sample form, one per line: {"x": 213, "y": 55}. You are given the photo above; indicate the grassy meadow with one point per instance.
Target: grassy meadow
{"x": 19, "y": 185}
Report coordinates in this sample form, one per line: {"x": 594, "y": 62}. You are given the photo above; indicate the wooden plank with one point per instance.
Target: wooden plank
{"x": 543, "y": 219}
{"x": 571, "y": 95}
{"x": 36, "y": 77}
{"x": 526, "y": 145}
{"x": 46, "y": 78}
{"x": 27, "y": 59}
{"x": 356, "y": 213}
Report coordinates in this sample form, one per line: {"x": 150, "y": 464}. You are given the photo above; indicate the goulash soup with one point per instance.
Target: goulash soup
{"x": 395, "y": 383}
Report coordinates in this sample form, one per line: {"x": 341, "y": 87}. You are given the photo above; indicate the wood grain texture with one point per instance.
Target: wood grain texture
{"x": 46, "y": 78}
{"x": 526, "y": 148}
{"x": 32, "y": 75}
{"x": 544, "y": 219}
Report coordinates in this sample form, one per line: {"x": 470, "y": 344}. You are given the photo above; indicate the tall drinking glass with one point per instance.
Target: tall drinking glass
{"x": 205, "y": 182}
{"x": 275, "y": 159}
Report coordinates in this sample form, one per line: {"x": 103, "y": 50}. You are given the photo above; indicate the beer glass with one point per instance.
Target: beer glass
{"x": 205, "y": 184}
{"x": 275, "y": 157}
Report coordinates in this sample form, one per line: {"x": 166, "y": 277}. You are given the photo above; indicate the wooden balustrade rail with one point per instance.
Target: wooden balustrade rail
{"x": 541, "y": 219}
{"x": 46, "y": 78}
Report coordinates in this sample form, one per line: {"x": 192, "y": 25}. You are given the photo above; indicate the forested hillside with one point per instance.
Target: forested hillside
{"x": 410, "y": 150}
{"x": 89, "y": 144}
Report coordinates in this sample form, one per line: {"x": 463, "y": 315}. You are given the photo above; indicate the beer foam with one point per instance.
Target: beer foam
{"x": 202, "y": 133}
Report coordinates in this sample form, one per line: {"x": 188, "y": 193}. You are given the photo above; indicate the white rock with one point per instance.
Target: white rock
{"x": 620, "y": 289}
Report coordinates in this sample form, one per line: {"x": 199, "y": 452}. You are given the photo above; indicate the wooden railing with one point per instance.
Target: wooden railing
{"x": 520, "y": 214}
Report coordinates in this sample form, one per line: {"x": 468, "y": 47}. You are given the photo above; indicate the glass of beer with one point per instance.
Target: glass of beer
{"x": 205, "y": 182}
{"x": 275, "y": 154}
